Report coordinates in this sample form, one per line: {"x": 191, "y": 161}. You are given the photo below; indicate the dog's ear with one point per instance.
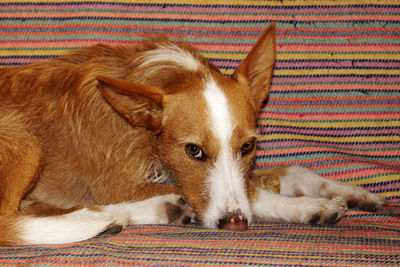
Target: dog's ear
{"x": 141, "y": 105}
{"x": 256, "y": 69}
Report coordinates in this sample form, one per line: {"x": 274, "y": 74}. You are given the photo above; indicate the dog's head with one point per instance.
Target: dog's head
{"x": 205, "y": 122}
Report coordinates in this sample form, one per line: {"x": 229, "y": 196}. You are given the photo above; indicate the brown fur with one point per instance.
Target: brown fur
{"x": 98, "y": 126}
{"x": 42, "y": 209}
{"x": 9, "y": 230}
{"x": 81, "y": 135}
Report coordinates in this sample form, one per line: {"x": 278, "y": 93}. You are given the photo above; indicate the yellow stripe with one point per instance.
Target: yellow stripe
{"x": 226, "y": 72}
{"x": 242, "y": 2}
{"x": 233, "y": 56}
{"x": 390, "y": 194}
{"x": 331, "y": 139}
{"x": 374, "y": 180}
{"x": 329, "y": 124}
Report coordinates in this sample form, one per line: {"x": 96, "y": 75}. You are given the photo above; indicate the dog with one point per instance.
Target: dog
{"x": 108, "y": 136}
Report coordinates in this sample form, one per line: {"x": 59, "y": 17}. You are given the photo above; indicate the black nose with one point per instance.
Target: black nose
{"x": 233, "y": 221}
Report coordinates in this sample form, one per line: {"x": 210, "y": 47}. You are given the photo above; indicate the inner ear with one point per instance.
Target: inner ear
{"x": 140, "y": 104}
{"x": 256, "y": 69}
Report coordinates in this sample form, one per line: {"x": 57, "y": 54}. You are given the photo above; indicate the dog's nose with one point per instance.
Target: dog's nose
{"x": 233, "y": 221}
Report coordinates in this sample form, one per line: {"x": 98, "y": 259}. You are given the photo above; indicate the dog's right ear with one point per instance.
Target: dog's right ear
{"x": 257, "y": 68}
{"x": 141, "y": 105}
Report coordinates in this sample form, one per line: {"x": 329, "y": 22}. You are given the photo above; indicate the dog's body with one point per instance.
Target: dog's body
{"x": 142, "y": 126}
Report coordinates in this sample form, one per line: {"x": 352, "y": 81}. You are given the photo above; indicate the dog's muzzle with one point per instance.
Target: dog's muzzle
{"x": 233, "y": 221}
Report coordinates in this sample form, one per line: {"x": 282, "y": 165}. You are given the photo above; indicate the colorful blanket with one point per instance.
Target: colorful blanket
{"x": 334, "y": 108}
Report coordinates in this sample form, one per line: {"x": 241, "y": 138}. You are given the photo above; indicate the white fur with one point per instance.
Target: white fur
{"x": 225, "y": 180}
{"x": 317, "y": 196}
{"x": 295, "y": 209}
{"x": 87, "y": 223}
{"x": 173, "y": 54}
{"x": 218, "y": 111}
{"x": 149, "y": 211}
{"x": 76, "y": 226}
{"x": 299, "y": 179}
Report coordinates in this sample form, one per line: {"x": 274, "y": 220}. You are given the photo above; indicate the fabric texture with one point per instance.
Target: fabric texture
{"x": 334, "y": 108}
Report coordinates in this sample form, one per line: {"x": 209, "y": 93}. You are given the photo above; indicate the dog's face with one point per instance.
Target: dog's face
{"x": 205, "y": 123}
{"x": 207, "y": 141}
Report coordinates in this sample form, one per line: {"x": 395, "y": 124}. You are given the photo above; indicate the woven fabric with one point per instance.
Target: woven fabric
{"x": 334, "y": 107}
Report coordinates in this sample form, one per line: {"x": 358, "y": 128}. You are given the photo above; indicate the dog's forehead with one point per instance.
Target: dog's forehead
{"x": 211, "y": 109}
{"x": 237, "y": 99}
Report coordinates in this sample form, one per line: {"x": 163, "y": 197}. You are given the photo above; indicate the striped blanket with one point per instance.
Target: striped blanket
{"x": 334, "y": 108}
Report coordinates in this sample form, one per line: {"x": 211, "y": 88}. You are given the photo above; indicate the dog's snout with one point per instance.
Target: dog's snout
{"x": 233, "y": 221}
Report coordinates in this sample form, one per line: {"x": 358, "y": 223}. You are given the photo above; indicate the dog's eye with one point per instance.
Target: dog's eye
{"x": 247, "y": 147}
{"x": 194, "y": 151}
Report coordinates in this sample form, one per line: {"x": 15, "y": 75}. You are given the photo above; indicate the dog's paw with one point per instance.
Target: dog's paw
{"x": 328, "y": 211}
{"x": 357, "y": 197}
{"x": 365, "y": 201}
{"x": 179, "y": 212}
{"x": 322, "y": 211}
{"x": 112, "y": 229}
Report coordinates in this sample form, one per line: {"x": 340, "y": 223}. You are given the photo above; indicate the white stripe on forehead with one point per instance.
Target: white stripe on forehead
{"x": 225, "y": 179}
{"x": 174, "y": 54}
{"x": 219, "y": 111}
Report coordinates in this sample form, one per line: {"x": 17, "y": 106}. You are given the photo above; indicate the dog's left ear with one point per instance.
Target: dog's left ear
{"x": 141, "y": 105}
{"x": 257, "y": 68}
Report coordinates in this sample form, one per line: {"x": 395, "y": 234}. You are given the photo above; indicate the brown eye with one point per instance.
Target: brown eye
{"x": 194, "y": 151}
{"x": 247, "y": 147}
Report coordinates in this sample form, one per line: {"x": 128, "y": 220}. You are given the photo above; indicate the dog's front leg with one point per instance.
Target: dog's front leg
{"x": 21, "y": 159}
{"x": 300, "y": 181}
{"x": 165, "y": 209}
{"x": 270, "y": 205}
{"x": 307, "y": 197}
{"x": 102, "y": 220}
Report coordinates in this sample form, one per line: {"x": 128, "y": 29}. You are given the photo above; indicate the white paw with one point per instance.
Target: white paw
{"x": 321, "y": 210}
{"x": 363, "y": 200}
{"x": 157, "y": 210}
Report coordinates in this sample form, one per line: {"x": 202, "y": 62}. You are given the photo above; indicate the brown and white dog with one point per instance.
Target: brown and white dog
{"x": 108, "y": 136}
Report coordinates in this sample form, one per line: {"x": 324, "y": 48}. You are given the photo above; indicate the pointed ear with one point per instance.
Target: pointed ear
{"x": 141, "y": 105}
{"x": 257, "y": 68}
